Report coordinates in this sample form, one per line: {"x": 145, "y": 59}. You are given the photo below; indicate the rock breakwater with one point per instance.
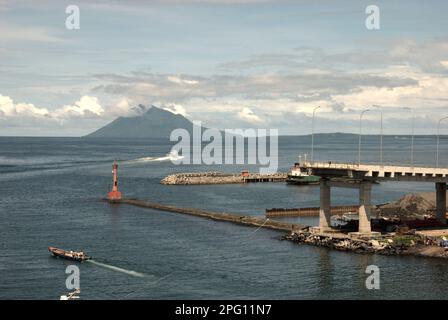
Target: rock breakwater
{"x": 214, "y": 177}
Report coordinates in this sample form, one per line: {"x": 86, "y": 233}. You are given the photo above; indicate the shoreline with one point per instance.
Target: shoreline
{"x": 409, "y": 245}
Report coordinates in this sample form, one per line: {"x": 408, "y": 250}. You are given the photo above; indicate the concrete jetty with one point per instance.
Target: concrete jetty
{"x": 214, "y": 177}
{"x": 219, "y": 216}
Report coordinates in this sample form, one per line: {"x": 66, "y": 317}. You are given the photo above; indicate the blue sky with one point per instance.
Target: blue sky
{"x": 231, "y": 64}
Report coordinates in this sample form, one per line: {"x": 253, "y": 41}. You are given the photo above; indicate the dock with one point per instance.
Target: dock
{"x": 218, "y": 216}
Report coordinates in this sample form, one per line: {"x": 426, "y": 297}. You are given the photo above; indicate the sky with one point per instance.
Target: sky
{"x": 230, "y": 64}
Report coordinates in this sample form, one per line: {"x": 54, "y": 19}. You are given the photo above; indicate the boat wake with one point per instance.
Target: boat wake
{"x": 114, "y": 268}
{"x": 172, "y": 156}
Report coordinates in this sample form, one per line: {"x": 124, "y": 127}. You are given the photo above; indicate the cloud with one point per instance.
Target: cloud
{"x": 248, "y": 115}
{"x": 87, "y": 106}
{"x": 176, "y": 109}
{"x": 428, "y": 56}
{"x": 429, "y": 92}
{"x": 157, "y": 87}
{"x": 269, "y": 90}
{"x": 83, "y": 116}
{"x": 8, "y": 108}
{"x": 11, "y": 32}
{"x": 179, "y": 80}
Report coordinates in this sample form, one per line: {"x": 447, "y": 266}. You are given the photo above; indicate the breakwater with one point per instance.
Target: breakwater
{"x": 214, "y": 177}
{"x": 219, "y": 216}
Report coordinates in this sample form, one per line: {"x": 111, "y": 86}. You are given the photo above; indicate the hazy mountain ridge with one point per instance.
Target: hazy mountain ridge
{"x": 154, "y": 123}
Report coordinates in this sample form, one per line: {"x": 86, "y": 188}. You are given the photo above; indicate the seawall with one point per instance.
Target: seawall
{"x": 219, "y": 216}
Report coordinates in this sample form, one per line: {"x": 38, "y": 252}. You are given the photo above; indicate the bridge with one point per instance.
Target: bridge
{"x": 361, "y": 177}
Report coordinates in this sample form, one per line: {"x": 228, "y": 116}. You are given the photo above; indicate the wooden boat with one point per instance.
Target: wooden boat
{"x": 70, "y": 255}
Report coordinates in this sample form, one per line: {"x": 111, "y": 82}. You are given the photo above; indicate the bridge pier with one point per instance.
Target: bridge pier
{"x": 325, "y": 206}
{"x": 365, "y": 192}
{"x": 441, "y": 202}
{"x": 364, "y": 210}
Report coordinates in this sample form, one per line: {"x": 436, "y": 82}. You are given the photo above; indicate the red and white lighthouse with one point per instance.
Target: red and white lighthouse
{"x": 114, "y": 195}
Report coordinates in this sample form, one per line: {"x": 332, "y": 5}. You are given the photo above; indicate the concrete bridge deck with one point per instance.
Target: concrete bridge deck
{"x": 377, "y": 172}
{"x": 362, "y": 176}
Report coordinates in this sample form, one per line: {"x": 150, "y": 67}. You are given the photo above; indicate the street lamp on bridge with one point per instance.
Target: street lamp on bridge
{"x": 438, "y": 140}
{"x": 312, "y": 134}
{"x": 381, "y": 134}
{"x": 412, "y": 133}
{"x": 360, "y": 134}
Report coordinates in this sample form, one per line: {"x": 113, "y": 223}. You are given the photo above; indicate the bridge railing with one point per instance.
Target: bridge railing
{"x": 373, "y": 166}
{"x": 331, "y": 164}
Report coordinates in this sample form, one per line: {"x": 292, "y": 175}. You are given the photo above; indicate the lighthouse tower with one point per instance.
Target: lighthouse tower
{"x": 114, "y": 195}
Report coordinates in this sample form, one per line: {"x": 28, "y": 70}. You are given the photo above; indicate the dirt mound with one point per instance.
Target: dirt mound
{"x": 416, "y": 205}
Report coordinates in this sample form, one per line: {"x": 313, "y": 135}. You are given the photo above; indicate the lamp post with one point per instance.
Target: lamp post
{"x": 412, "y": 134}
{"x": 360, "y": 134}
{"x": 381, "y": 134}
{"x": 312, "y": 134}
{"x": 438, "y": 140}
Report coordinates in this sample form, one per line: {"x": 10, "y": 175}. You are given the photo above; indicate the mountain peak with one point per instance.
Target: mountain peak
{"x": 152, "y": 122}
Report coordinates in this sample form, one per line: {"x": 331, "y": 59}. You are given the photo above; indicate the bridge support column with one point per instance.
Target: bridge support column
{"x": 441, "y": 202}
{"x": 365, "y": 228}
{"x": 325, "y": 206}
{"x": 365, "y": 191}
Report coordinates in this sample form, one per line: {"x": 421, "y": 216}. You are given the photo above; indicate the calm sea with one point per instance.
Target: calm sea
{"x": 50, "y": 195}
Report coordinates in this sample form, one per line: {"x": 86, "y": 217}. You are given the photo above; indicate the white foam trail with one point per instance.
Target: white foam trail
{"x": 172, "y": 156}
{"x": 114, "y": 268}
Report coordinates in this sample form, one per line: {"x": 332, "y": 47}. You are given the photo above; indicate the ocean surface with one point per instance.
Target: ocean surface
{"x": 51, "y": 192}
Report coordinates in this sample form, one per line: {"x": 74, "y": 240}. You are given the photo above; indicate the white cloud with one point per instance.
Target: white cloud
{"x": 176, "y": 109}
{"x": 87, "y": 106}
{"x": 179, "y": 80}
{"x": 248, "y": 115}
{"x": 429, "y": 92}
{"x": 10, "y": 109}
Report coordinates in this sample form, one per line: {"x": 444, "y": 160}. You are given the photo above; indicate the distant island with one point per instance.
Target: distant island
{"x": 154, "y": 123}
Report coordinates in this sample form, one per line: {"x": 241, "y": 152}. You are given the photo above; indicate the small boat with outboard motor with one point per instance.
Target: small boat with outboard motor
{"x": 70, "y": 255}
